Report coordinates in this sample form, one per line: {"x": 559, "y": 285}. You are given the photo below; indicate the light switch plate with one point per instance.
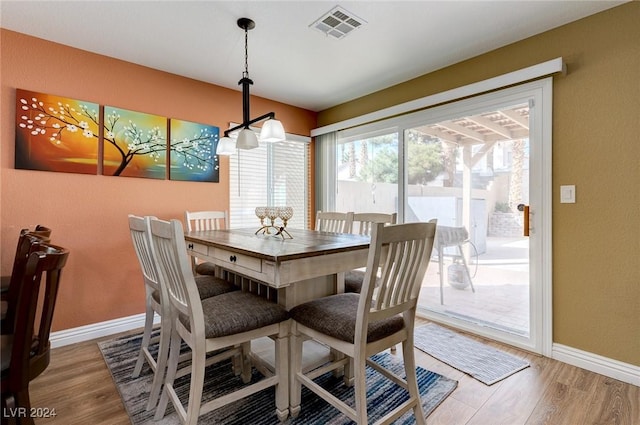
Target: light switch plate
{"x": 567, "y": 194}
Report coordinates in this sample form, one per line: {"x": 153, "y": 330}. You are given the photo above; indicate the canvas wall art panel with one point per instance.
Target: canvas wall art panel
{"x": 134, "y": 144}
{"x": 55, "y": 133}
{"x": 192, "y": 151}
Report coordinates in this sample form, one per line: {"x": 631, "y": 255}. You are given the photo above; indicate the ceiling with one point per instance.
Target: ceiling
{"x": 289, "y": 60}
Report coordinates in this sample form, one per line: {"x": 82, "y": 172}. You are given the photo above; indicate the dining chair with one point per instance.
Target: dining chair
{"x": 27, "y": 240}
{"x": 337, "y": 222}
{"x": 205, "y": 220}
{"x": 207, "y": 286}
{"x": 205, "y": 326}
{"x": 41, "y": 231}
{"x": 360, "y": 325}
{"x": 25, "y": 353}
{"x": 362, "y": 225}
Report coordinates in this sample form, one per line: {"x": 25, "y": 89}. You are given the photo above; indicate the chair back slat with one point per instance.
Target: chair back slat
{"x": 402, "y": 252}
{"x": 205, "y": 220}
{"x": 26, "y": 241}
{"x": 336, "y": 222}
{"x": 363, "y": 222}
{"x": 142, "y": 246}
{"x": 55, "y": 260}
{"x": 171, "y": 253}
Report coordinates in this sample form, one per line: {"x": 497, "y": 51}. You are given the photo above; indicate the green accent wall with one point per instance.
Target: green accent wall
{"x": 596, "y": 146}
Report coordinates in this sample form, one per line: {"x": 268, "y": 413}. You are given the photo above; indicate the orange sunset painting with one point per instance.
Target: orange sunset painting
{"x": 55, "y": 133}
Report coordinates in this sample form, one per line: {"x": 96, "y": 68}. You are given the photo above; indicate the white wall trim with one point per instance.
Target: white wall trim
{"x": 608, "y": 367}
{"x": 543, "y": 69}
{"x": 97, "y": 330}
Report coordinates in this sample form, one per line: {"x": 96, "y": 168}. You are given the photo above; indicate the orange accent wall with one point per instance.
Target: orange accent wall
{"x": 88, "y": 214}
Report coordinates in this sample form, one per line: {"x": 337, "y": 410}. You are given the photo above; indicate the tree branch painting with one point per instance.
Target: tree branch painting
{"x": 192, "y": 151}
{"x": 135, "y": 144}
{"x": 55, "y": 133}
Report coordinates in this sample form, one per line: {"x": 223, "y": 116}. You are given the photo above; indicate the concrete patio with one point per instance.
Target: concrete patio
{"x": 501, "y": 282}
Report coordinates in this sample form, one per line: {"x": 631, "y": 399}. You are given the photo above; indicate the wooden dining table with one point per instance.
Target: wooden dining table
{"x": 306, "y": 266}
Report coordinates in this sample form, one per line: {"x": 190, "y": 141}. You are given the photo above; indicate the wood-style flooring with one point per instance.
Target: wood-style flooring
{"x": 78, "y": 386}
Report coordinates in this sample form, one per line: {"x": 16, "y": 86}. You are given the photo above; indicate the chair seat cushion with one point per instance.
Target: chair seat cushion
{"x": 206, "y": 269}
{"x": 208, "y": 286}
{"x": 353, "y": 281}
{"x": 211, "y": 286}
{"x": 236, "y": 312}
{"x": 335, "y": 316}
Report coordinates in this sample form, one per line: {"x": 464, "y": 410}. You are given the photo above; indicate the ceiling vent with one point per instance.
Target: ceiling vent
{"x": 338, "y": 22}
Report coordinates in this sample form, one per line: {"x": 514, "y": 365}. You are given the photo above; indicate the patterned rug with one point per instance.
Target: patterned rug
{"x": 486, "y": 364}
{"x": 259, "y": 409}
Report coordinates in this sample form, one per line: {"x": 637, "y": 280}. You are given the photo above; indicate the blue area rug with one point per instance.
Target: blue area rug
{"x": 486, "y": 364}
{"x": 259, "y": 409}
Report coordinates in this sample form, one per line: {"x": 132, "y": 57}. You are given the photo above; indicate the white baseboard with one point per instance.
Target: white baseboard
{"x": 608, "y": 367}
{"x": 624, "y": 372}
{"x": 97, "y": 330}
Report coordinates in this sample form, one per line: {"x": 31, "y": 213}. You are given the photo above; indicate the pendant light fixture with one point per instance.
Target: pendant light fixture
{"x": 272, "y": 129}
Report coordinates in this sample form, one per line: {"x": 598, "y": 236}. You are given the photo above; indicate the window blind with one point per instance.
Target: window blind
{"x": 274, "y": 174}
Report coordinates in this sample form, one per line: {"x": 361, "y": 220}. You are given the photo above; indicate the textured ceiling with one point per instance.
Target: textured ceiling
{"x": 289, "y": 60}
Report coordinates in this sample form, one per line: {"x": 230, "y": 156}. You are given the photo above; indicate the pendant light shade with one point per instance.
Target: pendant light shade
{"x": 226, "y": 146}
{"x": 247, "y": 139}
{"x": 272, "y": 131}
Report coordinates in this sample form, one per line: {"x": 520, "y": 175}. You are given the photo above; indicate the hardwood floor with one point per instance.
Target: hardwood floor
{"x": 79, "y": 387}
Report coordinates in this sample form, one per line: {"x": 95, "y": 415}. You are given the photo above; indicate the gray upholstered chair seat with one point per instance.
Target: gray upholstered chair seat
{"x": 335, "y": 316}
{"x": 353, "y": 281}
{"x": 208, "y": 286}
{"x": 206, "y": 268}
{"x": 237, "y": 312}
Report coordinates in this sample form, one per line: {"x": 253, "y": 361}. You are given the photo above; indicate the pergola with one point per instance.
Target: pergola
{"x": 484, "y": 130}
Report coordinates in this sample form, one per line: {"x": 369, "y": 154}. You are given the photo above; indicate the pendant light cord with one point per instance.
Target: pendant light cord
{"x": 246, "y": 53}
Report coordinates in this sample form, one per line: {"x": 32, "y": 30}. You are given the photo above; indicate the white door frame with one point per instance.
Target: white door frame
{"x": 541, "y": 93}
{"x": 540, "y": 119}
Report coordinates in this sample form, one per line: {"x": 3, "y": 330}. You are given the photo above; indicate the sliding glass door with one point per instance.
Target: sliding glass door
{"x": 367, "y": 172}
{"x": 472, "y": 181}
{"x": 481, "y": 167}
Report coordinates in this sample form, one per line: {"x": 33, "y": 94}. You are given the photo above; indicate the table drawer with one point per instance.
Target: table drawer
{"x": 239, "y": 260}
{"x": 197, "y": 248}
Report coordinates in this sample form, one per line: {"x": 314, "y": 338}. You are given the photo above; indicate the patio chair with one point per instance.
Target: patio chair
{"x": 447, "y": 236}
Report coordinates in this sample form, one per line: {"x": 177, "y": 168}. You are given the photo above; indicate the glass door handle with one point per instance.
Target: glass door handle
{"x": 525, "y": 209}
